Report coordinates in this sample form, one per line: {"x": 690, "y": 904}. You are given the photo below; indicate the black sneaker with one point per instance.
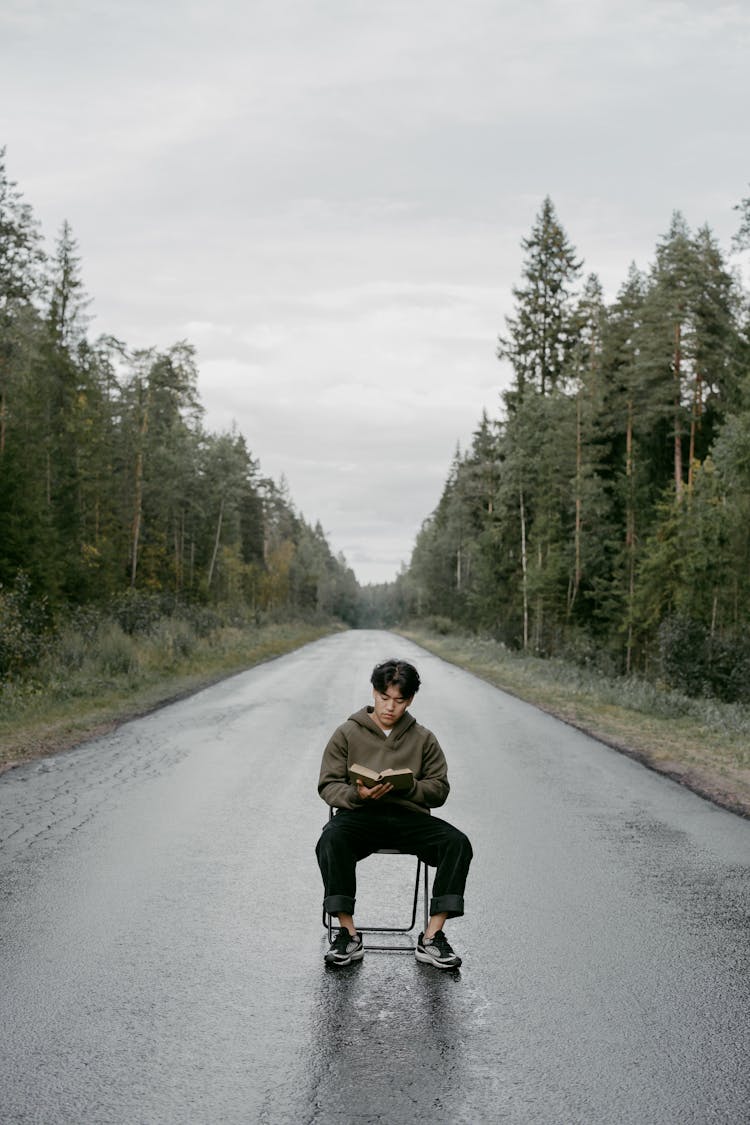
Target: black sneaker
{"x": 345, "y": 949}
{"x": 436, "y": 951}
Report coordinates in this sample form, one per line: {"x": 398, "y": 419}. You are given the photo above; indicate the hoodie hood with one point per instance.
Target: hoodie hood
{"x": 365, "y": 720}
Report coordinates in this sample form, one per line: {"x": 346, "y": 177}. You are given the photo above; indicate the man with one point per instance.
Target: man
{"x": 385, "y": 736}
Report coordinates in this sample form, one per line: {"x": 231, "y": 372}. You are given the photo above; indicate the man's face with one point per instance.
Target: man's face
{"x": 389, "y": 706}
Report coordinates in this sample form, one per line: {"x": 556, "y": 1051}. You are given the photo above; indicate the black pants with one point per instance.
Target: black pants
{"x": 354, "y": 834}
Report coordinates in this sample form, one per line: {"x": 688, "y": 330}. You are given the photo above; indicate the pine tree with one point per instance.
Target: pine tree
{"x": 161, "y": 426}
{"x": 588, "y": 383}
{"x": 21, "y": 259}
{"x": 718, "y": 357}
{"x": 68, "y": 300}
{"x": 629, "y": 410}
{"x": 69, "y": 396}
{"x": 673, "y": 295}
{"x": 542, "y": 334}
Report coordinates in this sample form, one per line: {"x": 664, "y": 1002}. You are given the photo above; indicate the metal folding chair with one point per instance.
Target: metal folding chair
{"x": 420, "y": 879}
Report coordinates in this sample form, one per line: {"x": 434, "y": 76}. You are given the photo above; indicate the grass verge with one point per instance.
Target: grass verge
{"x": 703, "y": 744}
{"x": 65, "y": 705}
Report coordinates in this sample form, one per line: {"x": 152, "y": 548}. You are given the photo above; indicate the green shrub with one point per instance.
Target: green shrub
{"x": 114, "y": 651}
{"x": 138, "y": 611}
{"x": 23, "y": 627}
{"x": 443, "y": 626}
{"x": 697, "y": 663}
{"x": 171, "y": 640}
{"x": 202, "y": 620}
{"x": 73, "y": 648}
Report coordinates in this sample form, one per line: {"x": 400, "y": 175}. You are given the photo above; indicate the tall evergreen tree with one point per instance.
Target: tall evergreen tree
{"x": 67, "y": 296}
{"x": 673, "y": 339}
{"x": 587, "y": 381}
{"x": 21, "y": 259}
{"x": 542, "y": 333}
{"x": 68, "y": 394}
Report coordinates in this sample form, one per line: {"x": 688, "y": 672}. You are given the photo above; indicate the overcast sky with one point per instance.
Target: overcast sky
{"x": 327, "y": 197}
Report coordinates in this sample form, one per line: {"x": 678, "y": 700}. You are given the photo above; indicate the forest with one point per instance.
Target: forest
{"x": 603, "y": 516}
{"x": 114, "y": 498}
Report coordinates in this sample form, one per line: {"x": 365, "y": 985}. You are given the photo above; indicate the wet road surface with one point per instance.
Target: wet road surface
{"x": 161, "y": 944}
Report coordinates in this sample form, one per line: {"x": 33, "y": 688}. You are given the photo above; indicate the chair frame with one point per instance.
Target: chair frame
{"x": 420, "y": 879}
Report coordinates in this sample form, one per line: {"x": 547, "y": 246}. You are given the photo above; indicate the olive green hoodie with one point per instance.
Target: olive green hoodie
{"x": 408, "y": 746}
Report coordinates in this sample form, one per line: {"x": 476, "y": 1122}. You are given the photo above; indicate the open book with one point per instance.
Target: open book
{"x": 399, "y": 779}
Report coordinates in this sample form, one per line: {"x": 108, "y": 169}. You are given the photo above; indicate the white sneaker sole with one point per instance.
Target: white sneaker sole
{"x": 340, "y": 963}
{"x": 425, "y": 958}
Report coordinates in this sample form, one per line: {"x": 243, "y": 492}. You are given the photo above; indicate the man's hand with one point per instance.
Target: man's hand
{"x": 373, "y": 792}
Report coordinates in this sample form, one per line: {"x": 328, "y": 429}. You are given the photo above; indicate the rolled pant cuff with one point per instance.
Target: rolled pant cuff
{"x": 452, "y": 905}
{"x": 338, "y": 904}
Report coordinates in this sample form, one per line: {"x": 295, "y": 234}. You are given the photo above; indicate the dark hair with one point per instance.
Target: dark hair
{"x": 397, "y": 673}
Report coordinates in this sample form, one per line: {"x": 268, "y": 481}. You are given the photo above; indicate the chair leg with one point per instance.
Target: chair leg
{"x": 421, "y": 879}
{"x": 400, "y": 929}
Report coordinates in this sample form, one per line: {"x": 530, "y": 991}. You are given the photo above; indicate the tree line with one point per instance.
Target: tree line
{"x": 604, "y": 514}
{"x": 109, "y": 482}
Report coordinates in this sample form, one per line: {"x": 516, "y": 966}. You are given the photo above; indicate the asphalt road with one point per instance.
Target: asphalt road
{"x": 161, "y": 943}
